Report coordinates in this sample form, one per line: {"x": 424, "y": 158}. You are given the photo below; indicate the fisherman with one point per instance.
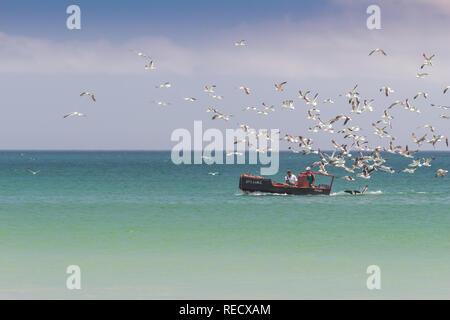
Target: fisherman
{"x": 310, "y": 176}
{"x": 290, "y": 178}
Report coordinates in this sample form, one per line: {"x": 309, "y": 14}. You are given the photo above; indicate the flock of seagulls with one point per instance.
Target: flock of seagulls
{"x": 355, "y": 156}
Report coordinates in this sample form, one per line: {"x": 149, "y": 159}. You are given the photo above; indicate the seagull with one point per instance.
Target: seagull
{"x": 329, "y": 100}
{"x": 161, "y": 103}
{"x": 87, "y": 93}
{"x": 75, "y": 113}
{"x": 245, "y": 89}
{"x": 377, "y": 50}
{"x": 427, "y": 61}
{"x": 33, "y": 172}
{"x": 446, "y": 89}
{"x": 443, "y": 116}
{"x": 424, "y": 94}
{"x": 266, "y": 107}
{"x": 409, "y": 170}
{"x": 355, "y": 192}
{"x": 164, "y": 85}
{"x": 288, "y": 104}
{"x": 386, "y": 90}
{"x": 279, "y": 86}
{"x": 421, "y": 75}
{"x": 395, "y": 103}
{"x": 211, "y": 109}
{"x": 209, "y": 89}
{"x": 427, "y": 126}
{"x": 440, "y": 107}
{"x": 150, "y": 66}
{"x": 302, "y": 95}
{"x": 234, "y": 153}
{"x": 190, "y": 99}
{"x": 213, "y": 173}
{"x": 141, "y": 54}
{"x": 348, "y": 178}
{"x": 441, "y": 173}
{"x": 221, "y": 116}
{"x": 240, "y": 43}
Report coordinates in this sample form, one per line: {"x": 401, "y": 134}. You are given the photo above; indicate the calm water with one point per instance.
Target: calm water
{"x": 141, "y": 227}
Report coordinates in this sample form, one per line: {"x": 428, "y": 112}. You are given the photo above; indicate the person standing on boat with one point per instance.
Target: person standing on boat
{"x": 290, "y": 178}
{"x": 310, "y": 176}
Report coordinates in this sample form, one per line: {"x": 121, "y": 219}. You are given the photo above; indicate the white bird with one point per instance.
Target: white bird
{"x": 386, "y": 90}
{"x": 240, "y": 43}
{"x": 288, "y": 104}
{"x": 245, "y": 89}
{"x": 427, "y": 61}
{"x": 441, "y": 173}
{"x": 150, "y": 66}
{"x": 213, "y": 173}
{"x": 87, "y": 93}
{"x": 141, "y": 54}
{"x": 378, "y": 50}
{"x": 409, "y": 170}
{"x": 329, "y": 100}
{"x": 75, "y": 113}
{"x": 33, "y": 172}
{"x": 209, "y": 89}
{"x": 440, "y": 107}
{"x": 164, "y": 85}
{"x": 395, "y": 103}
{"x": 279, "y": 86}
{"x": 446, "y": 89}
{"x": 422, "y": 75}
{"x": 266, "y": 107}
{"x": 190, "y": 99}
{"x": 161, "y": 103}
{"x": 424, "y": 94}
{"x": 217, "y": 97}
{"x": 229, "y": 154}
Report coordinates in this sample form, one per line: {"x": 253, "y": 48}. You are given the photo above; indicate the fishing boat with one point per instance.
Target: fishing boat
{"x": 249, "y": 183}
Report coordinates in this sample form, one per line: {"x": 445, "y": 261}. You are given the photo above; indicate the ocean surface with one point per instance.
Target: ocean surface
{"x": 140, "y": 227}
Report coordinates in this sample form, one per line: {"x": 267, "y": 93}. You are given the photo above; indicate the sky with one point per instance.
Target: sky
{"x": 320, "y": 46}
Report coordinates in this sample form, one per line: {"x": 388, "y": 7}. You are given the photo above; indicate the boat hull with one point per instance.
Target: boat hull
{"x": 248, "y": 183}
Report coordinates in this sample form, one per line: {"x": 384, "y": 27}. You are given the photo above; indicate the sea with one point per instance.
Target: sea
{"x": 140, "y": 227}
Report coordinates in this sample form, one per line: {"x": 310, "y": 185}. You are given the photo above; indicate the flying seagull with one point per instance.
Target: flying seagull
{"x": 440, "y": 173}
{"x": 355, "y": 192}
{"x": 33, "y": 172}
{"x": 150, "y": 66}
{"x": 75, "y": 113}
{"x": 279, "y": 86}
{"x": 87, "y": 93}
{"x": 240, "y": 43}
{"x": 377, "y": 50}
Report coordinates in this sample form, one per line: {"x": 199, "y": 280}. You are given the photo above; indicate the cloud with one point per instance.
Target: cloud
{"x": 329, "y": 47}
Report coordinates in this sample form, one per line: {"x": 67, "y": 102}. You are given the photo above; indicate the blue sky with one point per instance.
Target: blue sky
{"x": 320, "y": 46}
{"x": 120, "y": 19}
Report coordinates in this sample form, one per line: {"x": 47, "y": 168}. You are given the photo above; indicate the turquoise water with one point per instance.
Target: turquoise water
{"x": 140, "y": 227}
